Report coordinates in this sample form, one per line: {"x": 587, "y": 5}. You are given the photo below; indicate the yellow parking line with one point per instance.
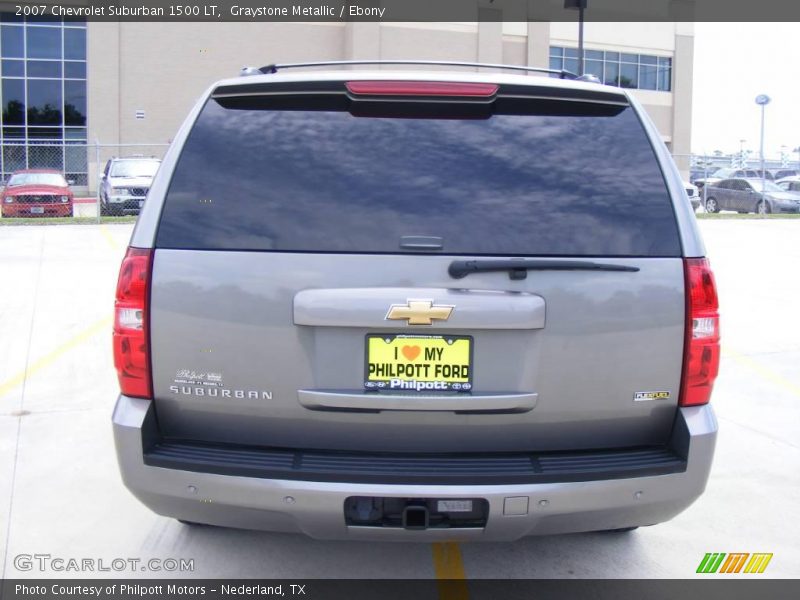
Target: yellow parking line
{"x": 449, "y": 568}
{"x": 107, "y": 235}
{"x": 50, "y": 358}
{"x": 766, "y": 373}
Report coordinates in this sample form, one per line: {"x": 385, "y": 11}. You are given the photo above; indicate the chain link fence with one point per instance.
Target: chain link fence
{"x": 83, "y": 165}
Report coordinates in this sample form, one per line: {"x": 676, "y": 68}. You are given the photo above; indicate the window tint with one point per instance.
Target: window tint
{"x": 12, "y": 42}
{"x": 44, "y": 68}
{"x": 13, "y": 102}
{"x": 75, "y": 43}
{"x": 44, "y": 102}
{"x": 13, "y": 68}
{"x": 328, "y": 181}
{"x": 74, "y": 103}
{"x": 43, "y": 42}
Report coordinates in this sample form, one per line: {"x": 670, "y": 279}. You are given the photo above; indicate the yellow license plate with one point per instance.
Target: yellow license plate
{"x": 418, "y": 363}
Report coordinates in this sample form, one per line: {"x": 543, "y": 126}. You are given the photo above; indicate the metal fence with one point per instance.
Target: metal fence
{"x": 702, "y": 163}
{"x": 82, "y": 164}
{"x": 703, "y": 166}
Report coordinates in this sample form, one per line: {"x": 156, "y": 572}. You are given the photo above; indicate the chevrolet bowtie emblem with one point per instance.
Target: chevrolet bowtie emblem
{"x": 419, "y": 312}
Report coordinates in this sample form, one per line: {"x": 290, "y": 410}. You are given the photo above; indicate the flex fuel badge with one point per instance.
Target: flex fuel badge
{"x": 645, "y": 396}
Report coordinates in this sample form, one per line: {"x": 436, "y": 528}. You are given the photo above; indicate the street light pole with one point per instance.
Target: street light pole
{"x": 580, "y": 5}
{"x": 580, "y": 38}
{"x": 762, "y": 100}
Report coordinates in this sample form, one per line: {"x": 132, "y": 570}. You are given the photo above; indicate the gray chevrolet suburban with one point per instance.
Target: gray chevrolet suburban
{"x": 416, "y": 305}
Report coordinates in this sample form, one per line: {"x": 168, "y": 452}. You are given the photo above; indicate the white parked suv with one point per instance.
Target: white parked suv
{"x": 124, "y": 184}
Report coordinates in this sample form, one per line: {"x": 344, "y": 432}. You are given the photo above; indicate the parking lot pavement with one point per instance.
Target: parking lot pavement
{"x": 61, "y": 492}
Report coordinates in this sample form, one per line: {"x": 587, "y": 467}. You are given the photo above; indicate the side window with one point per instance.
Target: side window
{"x": 738, "y": 185}
{"x": 725, "y": 185}
{"x": 794, "y": 186}
{"x": 785, "y": 185}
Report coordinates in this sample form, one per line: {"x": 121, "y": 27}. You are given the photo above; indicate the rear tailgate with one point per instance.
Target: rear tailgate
{"x": 302, "y": 294}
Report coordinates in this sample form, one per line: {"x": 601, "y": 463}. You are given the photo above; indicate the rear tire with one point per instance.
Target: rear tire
{"x": 711, "y": 205}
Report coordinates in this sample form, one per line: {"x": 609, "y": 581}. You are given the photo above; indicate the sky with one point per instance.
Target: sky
{"x": 734, "y": 63}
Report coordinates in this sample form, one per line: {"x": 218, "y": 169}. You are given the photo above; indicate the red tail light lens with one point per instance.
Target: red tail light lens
{"x": 701, "y": 350}
{"x": 421, "y": 88}
{"x": 131, "y": 337}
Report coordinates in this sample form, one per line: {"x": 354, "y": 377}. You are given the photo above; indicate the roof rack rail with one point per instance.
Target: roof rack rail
{"x": 274, "y": 68}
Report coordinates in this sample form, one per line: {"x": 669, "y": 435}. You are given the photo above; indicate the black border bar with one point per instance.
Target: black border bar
{"x": 406, "y": 10}
{"x": 709, "y": 587}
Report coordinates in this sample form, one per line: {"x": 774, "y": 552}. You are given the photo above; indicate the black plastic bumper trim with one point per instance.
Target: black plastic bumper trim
{"x": 397, "y": 468}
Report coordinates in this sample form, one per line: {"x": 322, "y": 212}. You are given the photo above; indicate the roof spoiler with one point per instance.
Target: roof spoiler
{"x": 274, "y": 68}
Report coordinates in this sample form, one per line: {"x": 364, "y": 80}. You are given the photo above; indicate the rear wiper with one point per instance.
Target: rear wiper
{"x": 518, "y": 268}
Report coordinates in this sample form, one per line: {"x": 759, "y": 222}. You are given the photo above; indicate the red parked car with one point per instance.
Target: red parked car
{"x": 37, "y": 193}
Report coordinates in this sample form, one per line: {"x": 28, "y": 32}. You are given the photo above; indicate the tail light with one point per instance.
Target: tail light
{"x": 421, "y": 88}
{"x": 131, "y": 322}
{"x": 701, "y": 347}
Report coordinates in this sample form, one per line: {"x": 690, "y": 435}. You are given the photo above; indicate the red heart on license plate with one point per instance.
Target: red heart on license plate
{"x": 411, "y": 352}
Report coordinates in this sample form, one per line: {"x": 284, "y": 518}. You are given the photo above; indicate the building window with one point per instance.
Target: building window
{"x": 635, "y": 71}
{"x": 43, "y": 95}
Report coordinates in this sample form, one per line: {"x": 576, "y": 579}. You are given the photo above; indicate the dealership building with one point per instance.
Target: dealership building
{"x": 74, "y": 93}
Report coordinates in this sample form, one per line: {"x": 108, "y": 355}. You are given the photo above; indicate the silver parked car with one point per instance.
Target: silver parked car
{"x": 379, "y": 305}
{"x": 747, "y": 195}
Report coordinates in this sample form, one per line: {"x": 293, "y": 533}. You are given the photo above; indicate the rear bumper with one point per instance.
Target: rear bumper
{"x": 316, "y": 508}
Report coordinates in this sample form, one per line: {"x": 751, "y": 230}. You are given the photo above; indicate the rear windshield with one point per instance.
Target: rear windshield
{"x": 252, "y": 178}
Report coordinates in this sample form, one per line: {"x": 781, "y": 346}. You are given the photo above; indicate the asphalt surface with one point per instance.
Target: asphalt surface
{"x": 61, "y": 495}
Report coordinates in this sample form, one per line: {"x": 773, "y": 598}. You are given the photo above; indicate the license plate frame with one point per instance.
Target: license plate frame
{"x": 426, "y": 380}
